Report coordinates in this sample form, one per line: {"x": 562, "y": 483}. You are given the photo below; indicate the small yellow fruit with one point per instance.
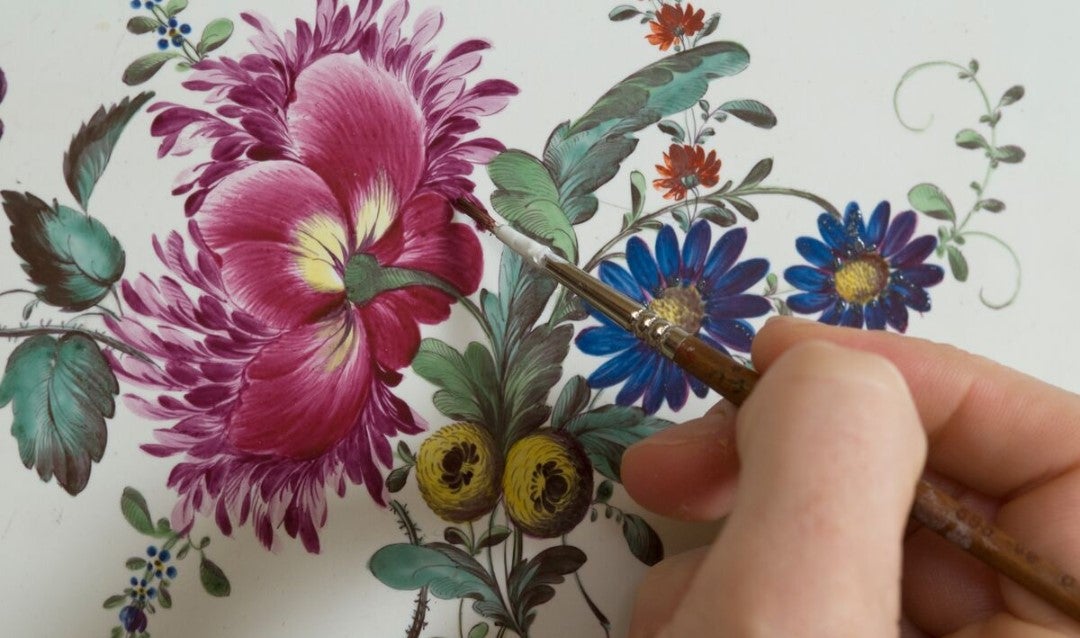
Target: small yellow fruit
{"x": 547, "y": 485}
{"x": 458, "y": 470}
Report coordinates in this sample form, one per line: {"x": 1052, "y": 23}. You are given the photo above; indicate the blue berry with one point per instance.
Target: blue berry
{"x": 163, "y": 44}
{"x": 151, "y": 592}
{"x": 134, "y": 581}
{"x": 165, "y": 556}
{"x": 178, "y": 41}
{"x": 135, "y": 4}
{"x": 151, "y": 551}
{"x": 142, "y": 583}
{"x": 185, "y": 29}
{"x": 173, "y": 22}
{"x": 171, "y": 572}
{"x": 162, "y": 30}
{"x": 148, "y": 4}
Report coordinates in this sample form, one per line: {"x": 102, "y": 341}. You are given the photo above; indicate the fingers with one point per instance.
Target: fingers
{"x": 990, "y": 428}
{"x": 831, "y": 449}
{"x": 661, "y": 590}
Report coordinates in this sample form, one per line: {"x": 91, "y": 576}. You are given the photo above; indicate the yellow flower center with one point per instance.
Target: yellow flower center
{"x": 458, "y": 471}
{"x": 680, "y": 305}
{"x": 862, "y": 279}
{"x": 547, "y": 485}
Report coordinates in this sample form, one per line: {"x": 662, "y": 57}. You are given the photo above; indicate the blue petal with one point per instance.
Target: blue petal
{"x": 618, "y": 278}
{"x": 635, "y": 386}
{"x": 914, "y": 297}
{"x": 852, "y": 317}
{"x": 816, "y": 252}
{"x": 833, "y": 313}
{"x": 879, "y": 222}
{"x": 737, "y": 306}
{"x": 654, "y": 391}
{"x": 733, "y": 333}
{"x": 854, "y": 227}
{"x": 809, "y": 279}
{"x": 695, "y": 248}
{"x": 618, "y": 368}
{"x": 699, "y": 388}
{"x": 667, "y": 254}
{"x": 900, "y": 231}
{"x": 642, "y": 265}
{"x": 832, "y": 231}
{"x": 677, "y": 388}
{"x": 724, "y": 253}
{"x": 924, "y": 275}
{"x": 604, "y": 340}
{"x": 875, "y": 315}
{"x": 914, "y": 253}
{"x": 809, "y": 302}
{"x": 895, "y": 312}
{"x": 704, "y": 336}
{"x": 738, "y": 279}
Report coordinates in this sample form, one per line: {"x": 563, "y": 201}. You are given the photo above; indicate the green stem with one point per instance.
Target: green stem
{"x": 11, "y": 333}
{"x": 605, "y": 624}
{"x": 17, "y": 291}
{"x": 779, "y": 190}
{"x": 461, "y": 618}
{"x": 1016, "y": 262}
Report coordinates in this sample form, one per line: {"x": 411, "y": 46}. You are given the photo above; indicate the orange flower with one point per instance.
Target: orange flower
{"x": 671, "y": 23}
{"x": 686, "y": 167}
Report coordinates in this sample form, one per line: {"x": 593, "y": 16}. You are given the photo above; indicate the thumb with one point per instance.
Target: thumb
{"x": 831, "y": 449}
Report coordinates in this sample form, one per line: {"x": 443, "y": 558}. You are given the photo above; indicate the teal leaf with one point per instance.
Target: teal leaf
{"x": 479, "y": 630}
{"x": 114, "y": 601}
{"x": 957, "y": 263}
{"x": 467, "y": 382}
{"x": 92, "y": 147}
{"x": 144, "y": 68}
{"x": 133, "y": 506}
{"x": 1012, "y": 96}
{"x": 63, "y": 392}
{"x": 530, "y": 582}
{"x": 757, "y": 174}
{"x": 584, "y": 155}
{"x": 1009, "y": 154}
{"x": 213, "y": 579}
{"x": 672, "y": 130}
{"x": 573, "y": 399}
{"x": 527, "y": 197}
{"x": 607, "y": 431}
{"x": 141, "y": 24}
{"x": 931, "y": 201}
{"x": 968, "y": 138}
{"x": 173, "y": 7}
{"x": 216, "y": 33}
{"x": 70, "y": 256}
{"x": 642, "y": 539}
{"x": 751, "y": 112}
{"x": 619, "y": 13}
{"x": 396, "y": 479}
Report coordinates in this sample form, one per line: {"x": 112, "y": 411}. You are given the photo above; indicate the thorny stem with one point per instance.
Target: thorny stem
{"x": 407, "y": 524}
{"x": 12, "y": 333}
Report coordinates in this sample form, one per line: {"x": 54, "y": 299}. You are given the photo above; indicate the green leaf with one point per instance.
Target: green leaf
{"x": 931, "y": 201}
{"x": 497, "y": 534}
{"x": 672, "y": 130}
{"x": 643, "y": 541}
{"x": 92, "y": 147}
{"x": 70, "y": 256}
{"x": 607, "y": 431}
{"x": 528, "y": 198}
{"x": 173, "y": 7}
{"x": 216, "y": 33}
{"x": 718, "y": 215}
{"x": 213, "y": 579}
{"x": 750, "y": 111}
{"x": 117, "y": 632}
{"x": 164, "y": 597}
{"x": 530, "y": 582}
{"x": 604, "y": 491}
{"x": 573, "y": 399}
{"x": 992, "y": 205}
{"x": 114, "y": 601}
{"x": 757, "y": 174}
{"x": 145, "y": 67}
{"x": 133, "y": 506}
{"x": 135, "y": 563}
{"x": 141, "y": 24}
{"x": 710, "y": 26}
{"x": 455, "y": 536}
{"x": 745, "y": 208}
{"x": 534, "y": 367}
{"x": 406, "y": 453}
{"x": 619, "y": 13}
{"x": 479, "y": 630}
{"x": 957, "y": 263}
{"x": 467, "y": 381}
{"x": 62, "y": 392}
{"x": 397, "y": 478}
{"x": 584, "y": 155}
{"x": 1009, "y": 154}
{"x": 637, "y": 194}
{"x": 164, "y": 528}
{"x": 968, "y": 138}
{"x": 1013, "y": 95}
{"x": 771, "y": 283}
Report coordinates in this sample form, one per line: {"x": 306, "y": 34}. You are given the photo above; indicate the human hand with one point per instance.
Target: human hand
{"x": 825, "y": 456}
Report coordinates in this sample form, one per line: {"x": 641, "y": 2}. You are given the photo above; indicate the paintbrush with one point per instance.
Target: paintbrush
{"x": 734, "y": 381}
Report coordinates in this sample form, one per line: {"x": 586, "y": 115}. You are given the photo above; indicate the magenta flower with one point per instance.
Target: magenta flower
{"x": 322, "y": 239}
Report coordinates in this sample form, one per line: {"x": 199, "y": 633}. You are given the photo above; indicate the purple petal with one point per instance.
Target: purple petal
{"x": 736, "y": 334}
{"x": 724, "y": 253}
{"x": 914, "y": 253}
{"x": 898, "y": 234}
{"x": 739, "y": 278}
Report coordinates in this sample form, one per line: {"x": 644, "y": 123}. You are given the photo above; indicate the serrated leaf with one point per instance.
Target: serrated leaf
{"x": 957, "y": 263}
{"x": 751, "y": 112}
{"x": 573, "y": 399}
{"x": 114, "y": 601}
{"x": 968, "y": 138}
{"x": 213, "y": 579}
{"x": 604, "y": 491}
{"x": 141, "y": 24}
{"x": 643, "y": 541}
{"x": 534, "y": 368}
{"x": 528, "y": 198}
{"x": 133, "y": 506}
{"x": 607, "y": 431}
{"x": 1013, "y": 95}
{"x": 467, "y": 383}
{"x": 717, "y": 215}
{"x": 623, "y": 12}
{"x": 637, "y": 193}
{"x": 70, "y": 256}
{"x": 62, "y": 391}
{"x": 397, "y": 478}
{"x": 1009, "y": 154}
{"x": 757, "y": 174}
{"x": 992, "y": 205}
{"x": 673, "y": 130}
{"x": 214, "y": 35}
{"x": 135, "y": 563}
{"x": 173, "y": 7}
{"x": 91, "y": 148}
{"x": 144, "y": 68}
{"x": 931, "y": 201}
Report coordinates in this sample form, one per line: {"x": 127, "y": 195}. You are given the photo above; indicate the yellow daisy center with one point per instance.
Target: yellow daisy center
{"x": 862, "y": 279}
{"x": 680, "y": 305}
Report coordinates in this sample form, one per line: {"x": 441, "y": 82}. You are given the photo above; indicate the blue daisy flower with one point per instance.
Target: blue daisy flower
{"x": 698, "y": 289}
{"x": 864, "y": 273}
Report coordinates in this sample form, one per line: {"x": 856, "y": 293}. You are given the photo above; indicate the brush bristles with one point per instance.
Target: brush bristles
{"x": 476, "y": 212}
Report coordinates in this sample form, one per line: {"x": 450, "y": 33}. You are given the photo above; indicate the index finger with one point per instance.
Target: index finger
{"x": 994, "y": 429}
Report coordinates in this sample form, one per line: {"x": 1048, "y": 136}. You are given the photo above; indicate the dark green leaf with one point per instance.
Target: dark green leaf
{"x": 455, "y": 536}
{"x": 1013, "y": 95}
{"x": 593, "y": 515}
{"x": 968, "y": 138}
{"x": 757, "y": 174}
{"x": 957, "y": 263}
{"x": 1009, "y": 154}
{"x": 405, "y": 453}
{"x": 135, "y": 563}
{"x": 637, "y": 193}
{"x": 745, "y": 208}
{"x": 673, "y": 130}
{"x": 704, "y": 106}
{"x": 607, "y": 431}
{"x": 710, "y": 26}
{"x": 204, "y": 541}
{"x": 63, "y": 392}
{"x": 180, "y": 555}
{"x": 133, "y": 506}
{"x": 930, "y": 200}
{"x": 164, "y": 528}
{"x": 216, "y": 33}
{"x": 173, "y": 7}
{"x": 492, "y": 537}
{"x": 397, "y": 478}
{"x": 28, "y": 309}
{"x": 530, "y": 582}
{"x": 528, "y": 198}
{"x": 70, "y": 256}
{"x": 573, "y": 399}
{"x": 171, "y": 543}
{"x": 604, "y": 491}
{"x": 164, "y": 597}
{"x": 213, "y": 579}
{"x": 750, "y": 111}
{"x": 141, "y": 24}
{"x": 467, "y": 381}
{"x": 117, "y": 632}
{"x": 533, "y": 368}
{"x": 114, "y": 601}
{"x": 643, "y": 541}
{"x": 621, "y": 12}
{"x": 479, "y": 630}
{"x": 974, "y": 66}
{"x": 718, "y": 215}
{"x": 145, "y": 67}
{"x": 992, "y": 205}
